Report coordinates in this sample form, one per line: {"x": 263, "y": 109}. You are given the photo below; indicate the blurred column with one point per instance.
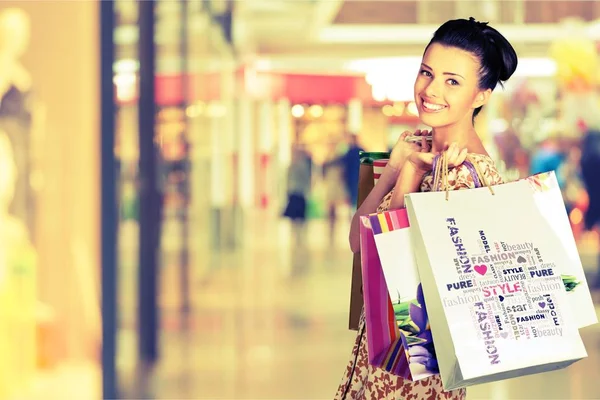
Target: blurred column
{"x": 150, "y": 213}
{"x": 218, "y": 179}
{"x": 109, "y": 214}
{"x": 184, "y": 215}
{"x": 284, "y": 146}
{"x": 245, "y": 168}
{"x": 222, "y": 162}
{"x": 245, "y": 151}
{"x": 266, "y": 115}
{"x": 355, "y": 116}
{"x": 228, "y": 148}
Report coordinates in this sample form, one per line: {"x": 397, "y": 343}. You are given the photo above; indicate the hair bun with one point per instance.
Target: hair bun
{"x": 480, "y": 25}
{"x": 497, "y": 57}
{"x": 506, "y": 52}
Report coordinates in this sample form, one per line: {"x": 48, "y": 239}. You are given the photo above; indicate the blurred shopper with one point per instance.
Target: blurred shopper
{"x": 336, "y": 191}
{"x": 351, "y": 162}
{"x": 590, "y": 172}
{"x": 548, "y": 157}
{"x": 299, "y": 185}
{"x": 481, "y": 57}
{"x": 569, "y": 174}
{"x": 512, "y": 152}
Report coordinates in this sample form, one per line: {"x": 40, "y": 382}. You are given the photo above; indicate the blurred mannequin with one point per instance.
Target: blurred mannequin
{"x": 334, "y": 179}
{"x": 20, "y": 115}
{"x": 299, "y": 185}
{"x": 17, "y": 286}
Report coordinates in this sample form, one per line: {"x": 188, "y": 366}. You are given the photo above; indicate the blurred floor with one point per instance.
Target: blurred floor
{"x": 67, "y": 381}
{"x": 267, "y": 323}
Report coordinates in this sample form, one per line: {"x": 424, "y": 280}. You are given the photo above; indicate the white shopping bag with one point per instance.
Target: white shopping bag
{"x": 490, "y": 267}
{"x": 548, "y": 197}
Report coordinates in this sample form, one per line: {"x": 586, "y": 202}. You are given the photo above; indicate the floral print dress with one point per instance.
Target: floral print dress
{"x": 362, "y": 381}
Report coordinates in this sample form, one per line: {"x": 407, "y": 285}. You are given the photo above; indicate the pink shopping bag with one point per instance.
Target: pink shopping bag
{"x": 385, "y": 347}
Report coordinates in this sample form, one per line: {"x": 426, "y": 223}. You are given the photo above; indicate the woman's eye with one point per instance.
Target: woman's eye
{"x": 453, "y": 82}
{"x": 424, "y": 72}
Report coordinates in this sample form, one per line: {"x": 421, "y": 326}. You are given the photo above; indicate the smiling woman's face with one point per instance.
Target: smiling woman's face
{"x": 446, "y": 89}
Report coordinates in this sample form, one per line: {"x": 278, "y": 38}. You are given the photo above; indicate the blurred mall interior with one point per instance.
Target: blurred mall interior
{"x": 145, "y": 150}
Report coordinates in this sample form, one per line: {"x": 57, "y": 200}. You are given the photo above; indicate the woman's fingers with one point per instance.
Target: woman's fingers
{"x": 425, "y": 145}
{"x": 452, "y": 152}
{"x": 455, "y": 156}
{"x": 463, "y": 155}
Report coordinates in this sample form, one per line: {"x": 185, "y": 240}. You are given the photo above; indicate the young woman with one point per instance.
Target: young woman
{"x": 461, "y": 66}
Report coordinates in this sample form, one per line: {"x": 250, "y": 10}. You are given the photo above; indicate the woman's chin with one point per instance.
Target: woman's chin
{"x": 433, "y": 121}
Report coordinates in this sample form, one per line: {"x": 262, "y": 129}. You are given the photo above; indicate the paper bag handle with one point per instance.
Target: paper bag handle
{"x": 441, "y": 171}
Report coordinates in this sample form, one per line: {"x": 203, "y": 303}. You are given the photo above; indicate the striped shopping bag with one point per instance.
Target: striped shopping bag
{"x": 384, "y": 342}
{"x": 399, "y": 337}
{"x": 378, "y": 167}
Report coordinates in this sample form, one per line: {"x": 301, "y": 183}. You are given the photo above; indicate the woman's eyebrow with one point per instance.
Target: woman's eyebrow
{"x": 444, "y": 73}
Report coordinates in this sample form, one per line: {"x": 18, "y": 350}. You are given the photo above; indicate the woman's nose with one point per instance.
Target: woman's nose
{"x": 433, "y": 89}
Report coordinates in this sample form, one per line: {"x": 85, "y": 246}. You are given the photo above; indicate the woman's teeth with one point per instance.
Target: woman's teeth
{"x": 434, "y": 107}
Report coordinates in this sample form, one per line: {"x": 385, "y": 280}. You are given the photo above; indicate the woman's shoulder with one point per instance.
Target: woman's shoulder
{"x": 487, "y": 167}
{"x": 462, "y": 177}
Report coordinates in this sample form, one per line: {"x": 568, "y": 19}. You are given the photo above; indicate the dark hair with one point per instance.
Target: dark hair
{"x": 496, "y": 55}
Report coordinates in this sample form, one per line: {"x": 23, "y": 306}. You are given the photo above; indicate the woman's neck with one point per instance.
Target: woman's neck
{"x": 463, "y": 136}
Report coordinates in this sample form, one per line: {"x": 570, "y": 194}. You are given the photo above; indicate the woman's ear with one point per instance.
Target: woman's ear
{"x": 482, "y": 98}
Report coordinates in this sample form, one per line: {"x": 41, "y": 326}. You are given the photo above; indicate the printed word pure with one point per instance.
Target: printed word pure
{"x": 541, "y": 273}
{"x": 460, "y": 285}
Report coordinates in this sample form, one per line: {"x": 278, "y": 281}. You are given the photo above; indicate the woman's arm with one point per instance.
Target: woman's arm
{"x": 400, "y": 153}
{"x": 409, "y": 181}
{"x": 384, "y": 185}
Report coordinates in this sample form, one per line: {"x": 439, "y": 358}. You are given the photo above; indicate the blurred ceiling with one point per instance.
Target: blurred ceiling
{"x": 322, "y": 36}
{"x": 327, "y": 32}
{"x": 436, "y": 12}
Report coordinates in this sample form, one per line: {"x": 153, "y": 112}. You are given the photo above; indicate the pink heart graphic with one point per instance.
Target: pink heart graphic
{"x": 480, "y": 269}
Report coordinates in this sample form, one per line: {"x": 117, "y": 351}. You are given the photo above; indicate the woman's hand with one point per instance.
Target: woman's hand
{"x": 403, "y": 149}
{"x": 423, "y": 160}
{"x": 419, "y": 163}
